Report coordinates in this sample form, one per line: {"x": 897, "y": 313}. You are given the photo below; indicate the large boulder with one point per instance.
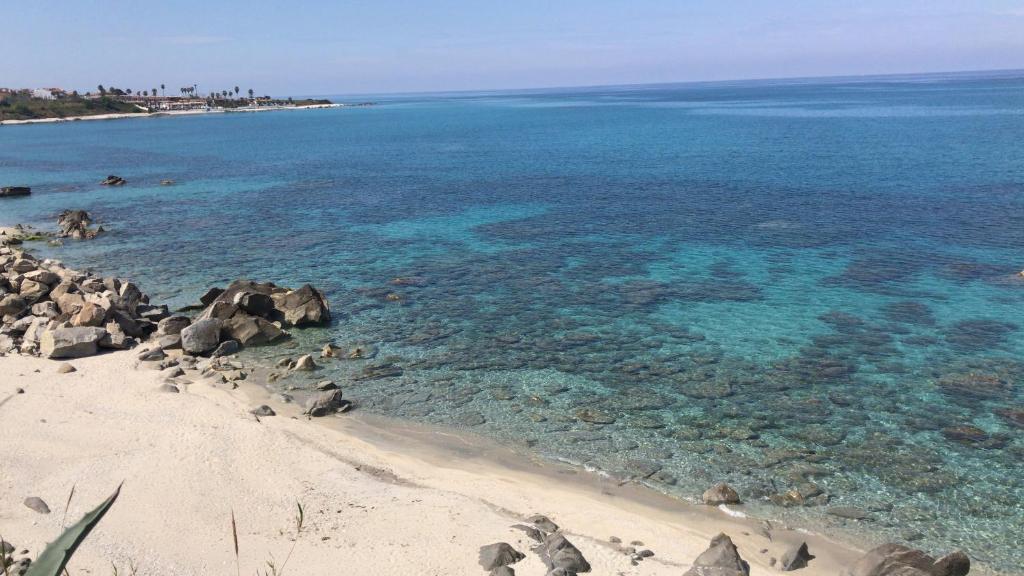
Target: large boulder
{"x": 75, "y": 342}
{"x": 251, "y": 330}
{"x": 562, "y": 554}
{"x": 201, "y": 337}
{"x": 303, "y": 307}
{"x": 720, "y": 559}
{"x": 324, "y": 403}
{"x": 899, "y": 560}
{"x": 173, "y": 325}
{"x": 721, "y": 494}
{"x": 12, "y": 305}
{"x": 90, "y": 315}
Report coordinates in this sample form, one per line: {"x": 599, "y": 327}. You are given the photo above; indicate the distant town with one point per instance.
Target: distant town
{"x": 18, "y": 105}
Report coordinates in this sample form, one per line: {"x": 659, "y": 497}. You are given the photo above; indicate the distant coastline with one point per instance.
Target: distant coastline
{"x": 124, "y": 115}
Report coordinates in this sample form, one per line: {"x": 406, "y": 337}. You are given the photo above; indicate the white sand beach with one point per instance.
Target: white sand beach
{"x": 379, "y": 498}
{"x": 164, "y": 114}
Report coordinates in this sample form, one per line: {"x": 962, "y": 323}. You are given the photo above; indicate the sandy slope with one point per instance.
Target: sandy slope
{"x": 376, "y": 502}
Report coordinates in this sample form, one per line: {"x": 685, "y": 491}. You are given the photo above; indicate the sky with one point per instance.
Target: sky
{"x": 320, "y": 47}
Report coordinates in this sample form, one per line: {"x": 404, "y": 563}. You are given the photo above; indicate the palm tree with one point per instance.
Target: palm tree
{"x": 101, "y": 89}
{"x": 145, "y": 92}
{"x": 153, "y": 91}
{"x": 162, "y": 89}
{"x": 250, "y": 93}
{"x": 236, "y": 90}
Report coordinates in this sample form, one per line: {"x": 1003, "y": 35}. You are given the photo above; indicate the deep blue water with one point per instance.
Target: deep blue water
{"x": 803, "y": 285}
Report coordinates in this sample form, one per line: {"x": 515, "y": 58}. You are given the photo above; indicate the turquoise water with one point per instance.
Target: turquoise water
{"x": 805, "y": 285}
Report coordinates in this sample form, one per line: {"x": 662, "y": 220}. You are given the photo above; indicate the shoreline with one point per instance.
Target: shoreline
{"x": 60, "y": 417}
{"x": 161, "y": 114}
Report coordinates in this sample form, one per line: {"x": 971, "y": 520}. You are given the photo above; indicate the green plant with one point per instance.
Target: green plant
{"x": 57, "y": 554}
{"x": 272, "y": 568}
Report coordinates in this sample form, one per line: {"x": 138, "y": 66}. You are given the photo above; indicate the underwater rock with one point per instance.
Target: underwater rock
{"x": 594, "y": 416}
{"x": 898, "y": 560}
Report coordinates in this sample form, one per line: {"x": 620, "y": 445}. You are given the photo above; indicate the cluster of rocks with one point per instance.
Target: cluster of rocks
{"x": 8, "y": 191}
{"x": 56, "y": 312}
{"x": 898, "y": 560}
{"x": 559, "y": 555}
{"x": 113, "y": 181}
{"x": 76, "y": 224}
{"x": 249, "y": 313}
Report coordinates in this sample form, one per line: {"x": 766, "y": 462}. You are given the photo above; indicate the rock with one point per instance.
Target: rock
{"x": 201, "y": 337}
{"x": 90, "y": 315}
{"x": 152, "y": 355}
{"x": 116, "y": 339}
{"x": 899, "y": 560}
{"x": 65, "y": 368}
{"x": 173, "y": 324}
{"x": 167, "y": 182}
{"x": 113, "y": 181}
{"x": 251, "y": 330}
{"x": 543, "y": 523}
{"x": 324, "y": 403}
{"x": 254, "y": 303}
{"x": 303, "y": 307}
{"x": 11, "y": 191}
{"x": 12, "y": 305}
{"x": 563, "y": 554}
{"x": 43, "y": 277}
{"x": 796, "y": 557}
{"x": 168, "y": 388}
{"x": 36, "y": 503}
{"x": 210, "y": 295}
{"x": 329, "y": 350}
{"x": 264, "y": 410}
{"x": 721, "y": 494}
{"x": 76, "y": 342}
{"x": 503, "y": 571}
{"x": 326, "y": 385}
{"x": 226, "y": 348}
{"x": 75, "y": 224}
{"x": 169, "y": 342}
{"x": 305, "y": 364}
{"x": 720, "y": 559}
{"x": 500, "y": 554}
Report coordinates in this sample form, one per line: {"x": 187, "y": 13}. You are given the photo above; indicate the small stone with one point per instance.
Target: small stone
{"x": 721, "y": 494}
{"x": 226, "y": 348}
{"x": 848, "y": 512}
{"x": 264, "y": 410}
{"x": 65, "y": 368}
{"x": 168, "y": 388}
{"x": 543, "y": 523}
{"x": 36, "y": 503}
{"x": 615, "y": 540}
{"x": 326, "y": 385}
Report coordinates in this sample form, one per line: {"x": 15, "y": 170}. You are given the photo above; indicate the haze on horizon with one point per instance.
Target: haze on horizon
{"x": 324, "y": 47}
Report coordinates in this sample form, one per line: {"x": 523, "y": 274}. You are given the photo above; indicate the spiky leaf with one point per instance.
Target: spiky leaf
{"x": 53, "y": 559}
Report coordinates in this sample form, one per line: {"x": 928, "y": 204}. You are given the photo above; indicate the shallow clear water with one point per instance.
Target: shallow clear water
{"x": 788, "y": 285}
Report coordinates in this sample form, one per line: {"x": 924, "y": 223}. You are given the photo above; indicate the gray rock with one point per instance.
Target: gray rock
{"x": 326, "y": 385}
{"x": 848, "y": 512}
{"x": 721, "y": 494}
{"x": 65, "y": 368}
{"x": 264, "y": 410}
{"x": 952, "y": 564}
{"x": 796, "y": 557}
{"x": 168, "y": 388}
{"x": 154, "y": 355}
{"x": 324, "y": 403}
{"x": 75, "y": 342}
{"x": 302, "y": 307}
{"x": 36, "y": 503}
{"x": 563, "y": 554}
{"x": 500, "y": 554}
{"x": 531, "y": 532}
{"x": 503, "y": 571}
{"x": 201, "y": 337}
{"x": 720, "y": 559}
{"x": 226, "y": 348}
{"x": 170, "y": 342}
{"x": 173, "y": 324}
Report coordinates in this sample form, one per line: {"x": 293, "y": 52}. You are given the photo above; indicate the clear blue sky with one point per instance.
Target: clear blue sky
{"x": 336, "y": 47}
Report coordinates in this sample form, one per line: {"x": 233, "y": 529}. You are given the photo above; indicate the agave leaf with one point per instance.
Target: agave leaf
{"x": 53, "y": 559}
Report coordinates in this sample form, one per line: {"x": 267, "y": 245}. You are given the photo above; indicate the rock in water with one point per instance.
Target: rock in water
{"x": 36, "y": 503}
{"x": 720, "y": 559}
{"x": 201, "y": 337}
{"x": 113, "y": 181}
{"x": 721, "y": 494}
{"x": 324, "y": 403}
{"x": 500, "y": 554}
{"x": 899, "y": 560}
{"x": 796, "y": 557}
{"x": 75, "y": 342}
{"x": 15, "y": 191}
{"x": 305, "y": 364}
{"x": 303, "y": 307}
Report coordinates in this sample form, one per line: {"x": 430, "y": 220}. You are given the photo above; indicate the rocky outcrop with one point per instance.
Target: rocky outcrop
{"x": 720, "y": 559}
{"x": 75, "y": 224}
{"x": 899, "y": 560}
{"x": 51, "y": 310}
{"x": 8, "y": 191}
{"x": 113, "y": 181}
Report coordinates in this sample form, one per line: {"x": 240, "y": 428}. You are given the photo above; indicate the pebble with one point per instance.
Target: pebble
{"x": 264, "y": 410}
{"x": 66, "y": 368}
{"x": 168, "y": 388}
{"x": 36, "y": 503}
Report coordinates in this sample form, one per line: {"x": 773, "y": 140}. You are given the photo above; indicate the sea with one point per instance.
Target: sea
{"x": 809, "y": 289}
